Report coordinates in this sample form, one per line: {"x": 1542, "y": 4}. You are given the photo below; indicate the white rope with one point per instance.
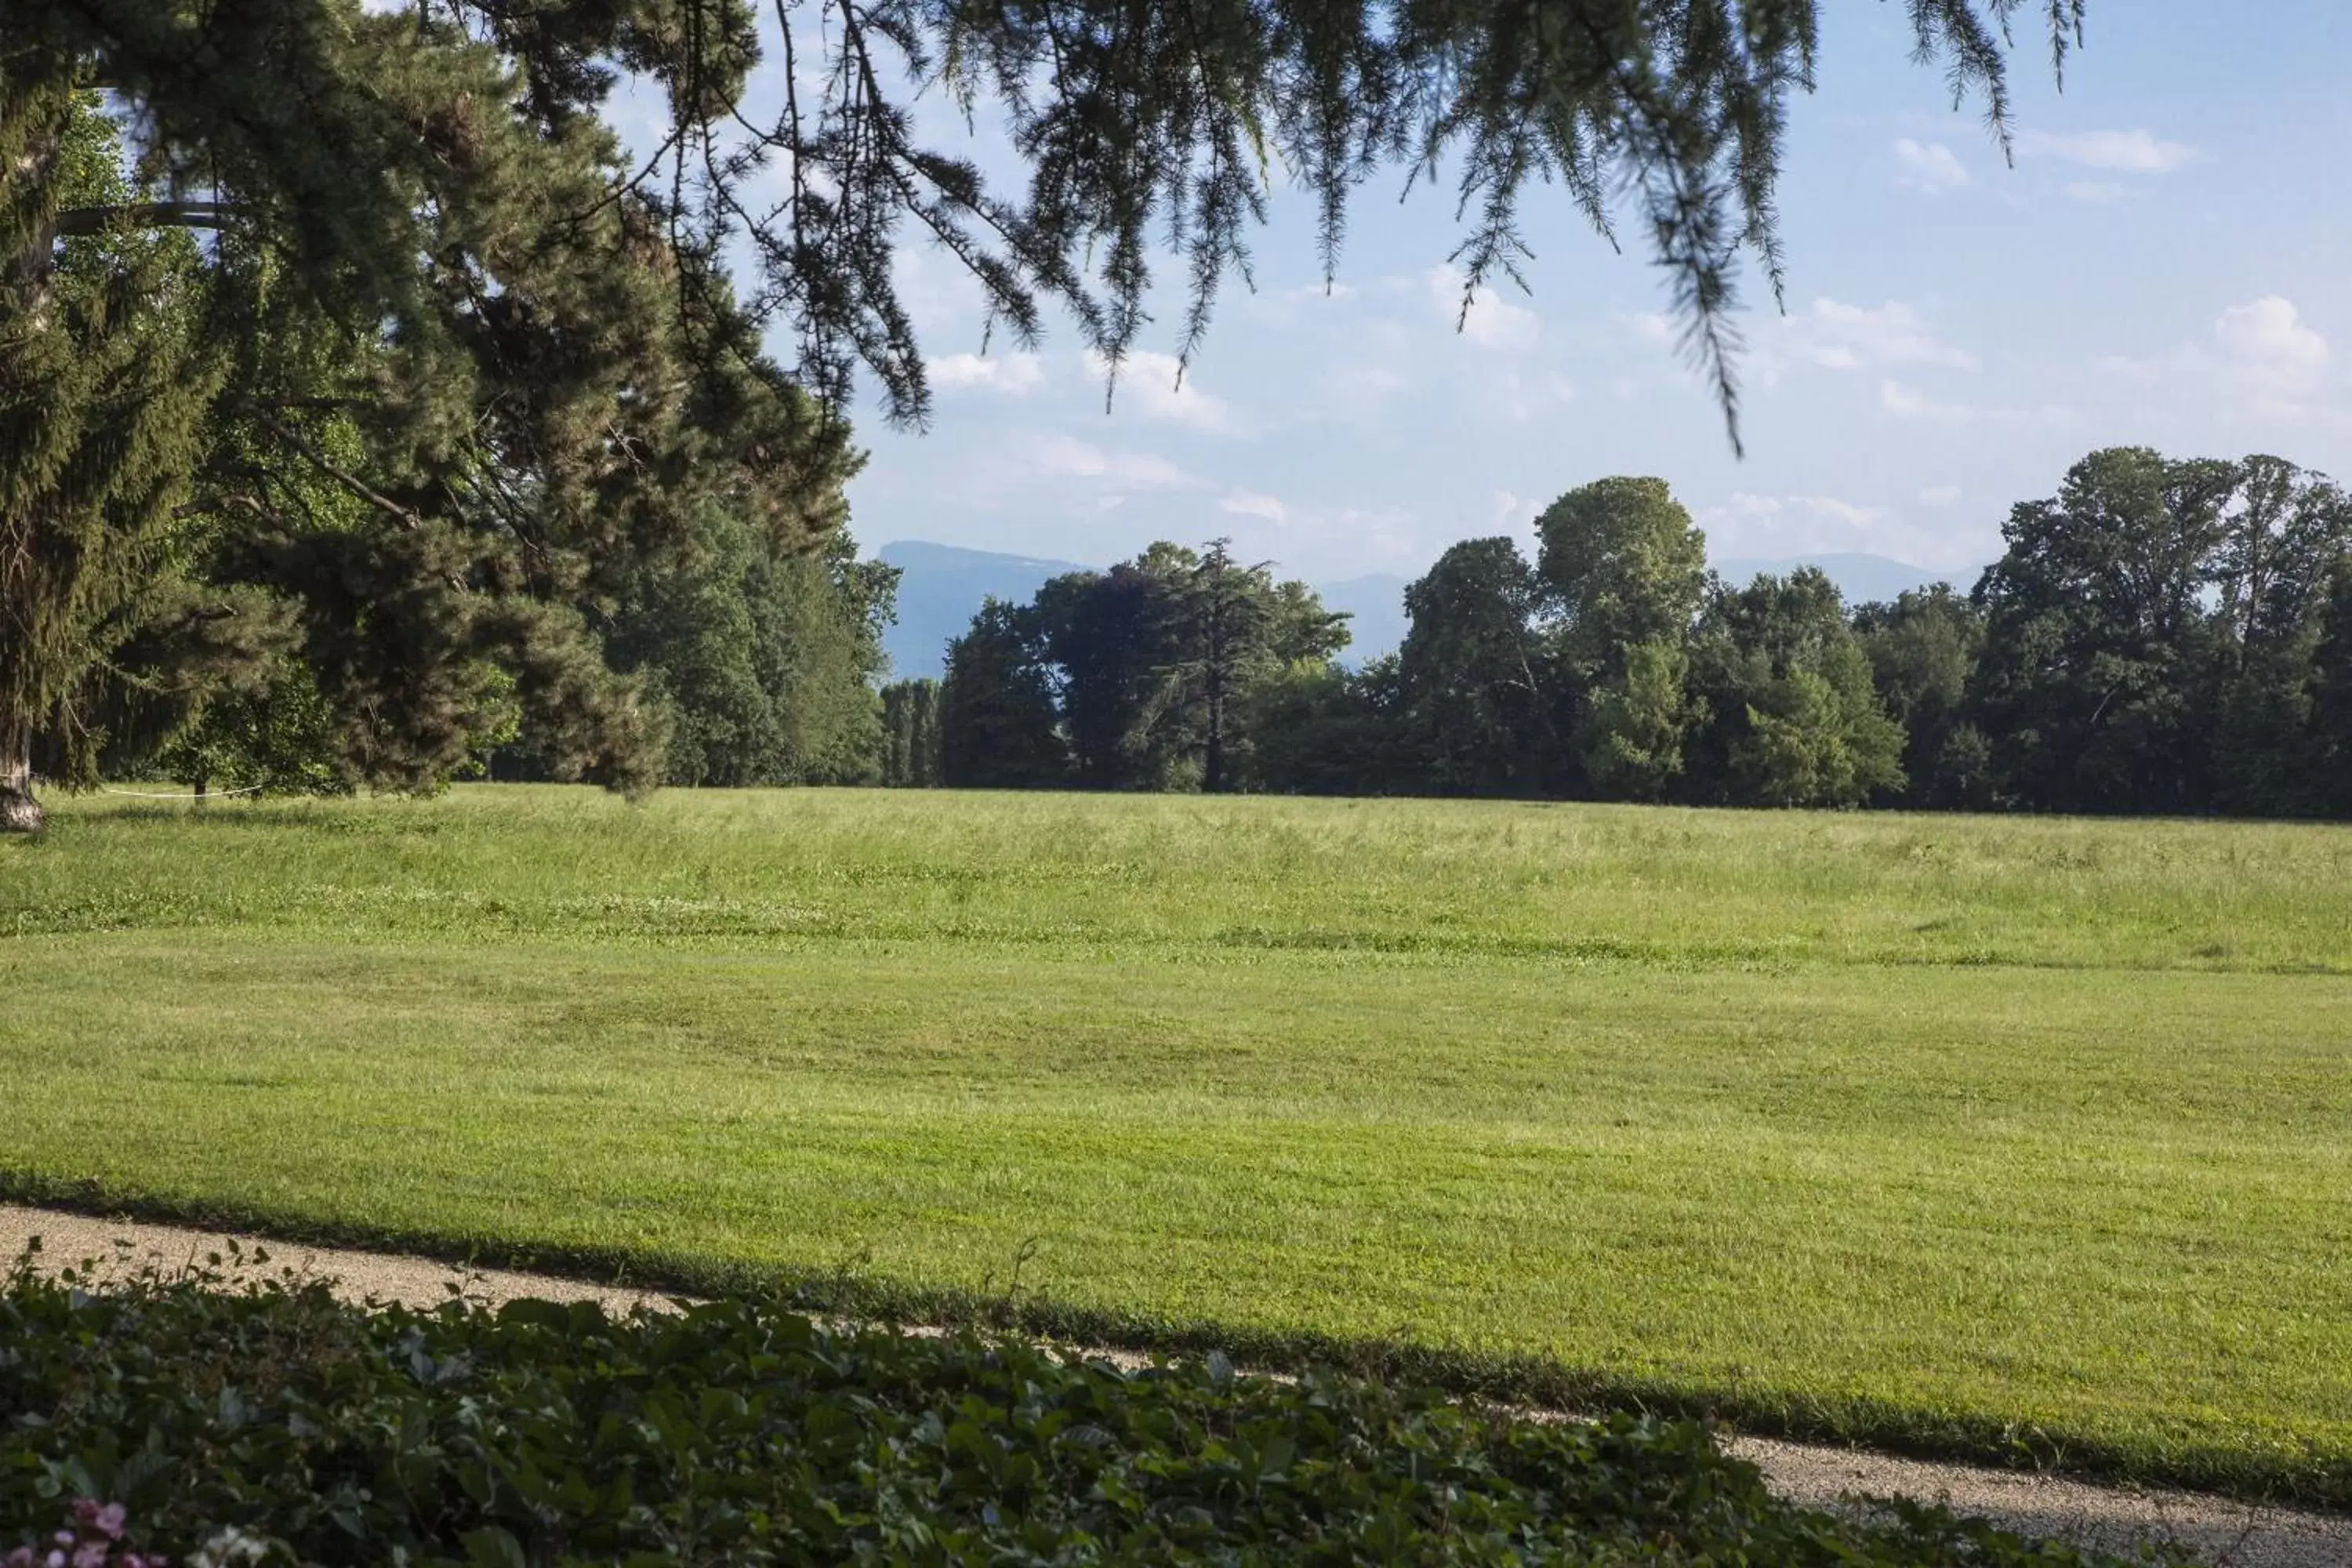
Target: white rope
{"x": 144, "y": 795}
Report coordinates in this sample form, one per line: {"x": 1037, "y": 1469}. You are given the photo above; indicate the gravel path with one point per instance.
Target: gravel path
{"x": 2219, "y": 1532}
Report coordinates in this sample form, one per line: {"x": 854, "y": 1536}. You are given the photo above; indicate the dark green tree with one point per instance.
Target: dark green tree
{"x": 1636, "y": 724}
{"x": 2282, "y": 542}
{"x": 1923, "y": 649}
{"x": 108, "y": 370}
{"x": 764, "y": 661}
{"x": 2330, "y": 788}
{"x": 525, "y": 387}
{"x": 1318, "y": 729}
{"x": 998, "y": 729}
{"x": 1788, "y": 713}
{"x": 1111, "y": 637}
{"x": 1227, "y": 629}
{"x": 1157, "y": 659}
{"x": 1476, "y": 677}
{"x": 2098, "y": 636}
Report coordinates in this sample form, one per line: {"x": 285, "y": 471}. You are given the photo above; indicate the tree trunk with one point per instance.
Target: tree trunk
{"x": 19, "y": 812}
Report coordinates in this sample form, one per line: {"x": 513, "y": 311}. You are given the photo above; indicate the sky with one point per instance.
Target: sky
{"x": 2162, "y": 265}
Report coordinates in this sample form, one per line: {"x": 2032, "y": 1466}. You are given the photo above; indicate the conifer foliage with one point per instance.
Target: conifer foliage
{"x": 1143, "y": 125}
{"x": 430, "y": 395}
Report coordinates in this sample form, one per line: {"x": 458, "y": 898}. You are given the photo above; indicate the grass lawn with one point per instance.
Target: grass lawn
{"x": 1988, "y": 1136}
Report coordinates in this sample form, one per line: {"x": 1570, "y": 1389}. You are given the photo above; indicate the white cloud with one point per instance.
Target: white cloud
{"x": 1492, "y": 321}
{"x": 1747, "y": 506}
{"x": 1513, "y": 511}
{"x": 2261, "y": 358}
{"x": 2268, "y": 338}
{"x": 1014, "y": 374}
{"x": 1249, "y": 503}
{"x": 1750, "y": 524}
{"x": 1845, "y": 338}
{"x": 1744, "y": 506}
{"x": 1835, "y": 511}
{"x": 1650, "y": 326}
{"x": 2097, "y": 193}
{"x": 1065, "y": 456}
{"x": 1161, "y": 387}
{"x": 2126, "y": 151}
{"x": 1938, "y": 495}
{"x": 1907, "y": 402}
{"x": 1929, "y": 167}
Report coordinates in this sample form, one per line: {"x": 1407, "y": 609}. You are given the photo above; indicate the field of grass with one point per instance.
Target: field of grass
{"x": 2000, "y": 1137}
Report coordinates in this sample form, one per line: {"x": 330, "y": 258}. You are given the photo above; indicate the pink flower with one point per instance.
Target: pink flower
{"x": 107, "y": 1518}
{"x": 91, "y": 1554}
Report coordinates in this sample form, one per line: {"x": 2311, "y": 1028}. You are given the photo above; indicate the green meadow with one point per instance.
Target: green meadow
{"x": 2027, "y": 1138}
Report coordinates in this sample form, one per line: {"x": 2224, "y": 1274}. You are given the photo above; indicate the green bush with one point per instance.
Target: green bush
{"x": 270, "y": 1422}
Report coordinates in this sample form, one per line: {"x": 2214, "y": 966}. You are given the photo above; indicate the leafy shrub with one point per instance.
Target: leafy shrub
{"x": 270, "y": 1422}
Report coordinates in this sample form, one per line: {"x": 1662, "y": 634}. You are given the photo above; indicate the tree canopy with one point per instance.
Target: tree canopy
{"x": 1149, "y": 130}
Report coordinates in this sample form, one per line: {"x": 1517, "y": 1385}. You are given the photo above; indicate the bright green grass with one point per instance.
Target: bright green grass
{"x": 1979, "y": 1134}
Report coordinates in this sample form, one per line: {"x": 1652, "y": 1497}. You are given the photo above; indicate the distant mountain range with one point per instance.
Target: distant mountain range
{"x": 941, "y": 586}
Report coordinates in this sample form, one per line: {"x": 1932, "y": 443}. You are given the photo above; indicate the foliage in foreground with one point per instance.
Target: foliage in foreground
{"x": 272, "y": 1423}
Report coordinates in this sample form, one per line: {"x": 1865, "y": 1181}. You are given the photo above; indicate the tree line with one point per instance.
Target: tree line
{"x": 2162, "y": 635}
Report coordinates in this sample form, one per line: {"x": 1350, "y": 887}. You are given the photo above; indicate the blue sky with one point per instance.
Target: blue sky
{"x": 2162, "y": 265}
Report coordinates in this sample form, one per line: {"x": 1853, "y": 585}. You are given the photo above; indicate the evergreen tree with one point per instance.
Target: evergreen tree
{"x": 1157, "y": 660}
{"x": 108, "y": 370}
{"x": 517, "y": 391}
{"x": 1227, "y": 629}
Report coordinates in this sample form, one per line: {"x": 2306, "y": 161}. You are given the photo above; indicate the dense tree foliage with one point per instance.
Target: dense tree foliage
{"x": 1000, "y": 724}
{"x": 272, "y": 513}
{"x": 2159, "y": 636}
{"x": 2153, "y": 633}
{"x": 1476, "y": 683}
